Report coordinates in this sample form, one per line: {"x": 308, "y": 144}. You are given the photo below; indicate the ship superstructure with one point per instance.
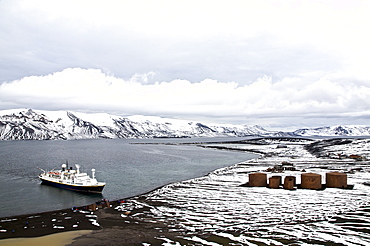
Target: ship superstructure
{"x": 72, "y": 179}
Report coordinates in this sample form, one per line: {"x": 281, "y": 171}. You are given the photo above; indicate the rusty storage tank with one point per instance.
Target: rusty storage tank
{"x": 311, "y": 181}
{"x": 336, "y": 180}
{"x": 274, "y": 182}
{"x": 258, "y": 179}
{"x": 289, "y": 182}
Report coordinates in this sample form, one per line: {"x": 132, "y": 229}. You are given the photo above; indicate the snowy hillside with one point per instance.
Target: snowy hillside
{"x": 28, "y": 124}
{"x": 22, "y": 124}
{"x": 347, "y": 130}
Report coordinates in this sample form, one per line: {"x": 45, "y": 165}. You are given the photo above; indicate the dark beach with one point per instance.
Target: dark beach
{"x": 111, "y": 229}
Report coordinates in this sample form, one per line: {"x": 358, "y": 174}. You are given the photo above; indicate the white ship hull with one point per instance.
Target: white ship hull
{"x": 72, "y": 180}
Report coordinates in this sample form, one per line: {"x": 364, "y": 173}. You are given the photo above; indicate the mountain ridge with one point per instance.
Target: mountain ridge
{"x": 30, "y": 124}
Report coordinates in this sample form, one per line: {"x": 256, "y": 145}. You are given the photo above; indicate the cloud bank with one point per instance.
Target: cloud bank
{"x": 224, "y": 40}
{"x": 264, "y": 101}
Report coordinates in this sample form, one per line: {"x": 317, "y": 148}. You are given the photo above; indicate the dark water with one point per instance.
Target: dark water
{"x": 128, "y": 169}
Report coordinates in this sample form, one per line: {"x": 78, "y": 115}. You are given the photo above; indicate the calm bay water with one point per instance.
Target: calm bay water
{"x": 128, "y": 169}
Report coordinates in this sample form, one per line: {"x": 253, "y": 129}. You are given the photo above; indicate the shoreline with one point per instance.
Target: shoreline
{"x": 43, "y": 219}
{"x": 86, "y": 224}
{"x": 76, "y": 225}
{"x": 25, "y": 195}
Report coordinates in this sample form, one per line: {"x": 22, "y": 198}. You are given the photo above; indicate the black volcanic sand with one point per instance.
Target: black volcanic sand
{"x": 35, "y": 225}
{"x": 112, "y": 228}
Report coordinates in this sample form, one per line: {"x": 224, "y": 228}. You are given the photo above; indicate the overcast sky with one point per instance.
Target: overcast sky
{"x": 273, "y": 63}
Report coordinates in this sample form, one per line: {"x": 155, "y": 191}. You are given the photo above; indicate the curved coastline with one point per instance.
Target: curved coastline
{"x": 131, "y": 171}
{"x": 35, "y": 227}
{"x": 85, "y": 225}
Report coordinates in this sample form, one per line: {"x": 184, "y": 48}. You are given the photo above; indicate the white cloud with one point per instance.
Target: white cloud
{"x": 92, "y": 90}
{"x": 224, "y": 40}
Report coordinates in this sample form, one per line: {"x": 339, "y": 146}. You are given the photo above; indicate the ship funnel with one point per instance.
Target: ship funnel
{"x": 93, "y": 173}
{"x": 78, "y": 168}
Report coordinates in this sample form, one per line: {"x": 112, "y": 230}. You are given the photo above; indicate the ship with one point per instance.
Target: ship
{"x": 70, "y": 179}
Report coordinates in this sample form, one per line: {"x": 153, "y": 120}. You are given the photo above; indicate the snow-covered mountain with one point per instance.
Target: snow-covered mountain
{"x": 346, "y": 130}
{"x": 27, "y": 124}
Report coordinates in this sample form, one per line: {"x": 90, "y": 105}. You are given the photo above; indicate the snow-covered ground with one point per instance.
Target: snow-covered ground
{"x": 217, "y": 210}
